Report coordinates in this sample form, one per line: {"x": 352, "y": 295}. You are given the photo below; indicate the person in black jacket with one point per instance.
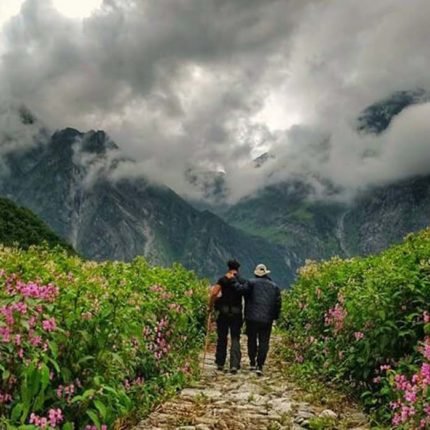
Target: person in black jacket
{"x": 262, "y": 307}
{"x": 228, "y": 303}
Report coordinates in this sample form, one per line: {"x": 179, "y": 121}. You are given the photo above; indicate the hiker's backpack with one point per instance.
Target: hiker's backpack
{"x": 230, "y": 302}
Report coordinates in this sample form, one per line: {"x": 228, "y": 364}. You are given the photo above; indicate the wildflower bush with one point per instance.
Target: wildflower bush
{"x": 364, "y": 323}
{"x": 89, "y": 346}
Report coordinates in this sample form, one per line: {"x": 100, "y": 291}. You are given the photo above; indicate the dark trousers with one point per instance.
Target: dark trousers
{"x": 258, "y": 341}
{"x": 226, "y": 323}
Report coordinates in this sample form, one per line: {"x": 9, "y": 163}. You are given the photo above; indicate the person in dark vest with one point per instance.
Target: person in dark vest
{"x": 228, "y": 304}
{"x": 262, "y": 307}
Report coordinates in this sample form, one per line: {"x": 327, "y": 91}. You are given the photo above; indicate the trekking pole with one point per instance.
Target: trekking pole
{"x": 207, "y": 338}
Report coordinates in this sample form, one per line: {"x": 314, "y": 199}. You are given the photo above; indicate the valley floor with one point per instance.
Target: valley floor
{"x": 221, "y": 401}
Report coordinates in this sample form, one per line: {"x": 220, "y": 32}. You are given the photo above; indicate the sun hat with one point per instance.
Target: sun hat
{"x": 261, "y": 270}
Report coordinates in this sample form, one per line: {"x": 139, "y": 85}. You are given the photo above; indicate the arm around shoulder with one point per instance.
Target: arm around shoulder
{"x": 241, "y": 285}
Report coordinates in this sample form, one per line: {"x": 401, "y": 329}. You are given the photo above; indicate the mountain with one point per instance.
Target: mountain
{"x": 283, "y": 215}
{"x": 262, "y": 159}
{"x": 384, "y": 215}
{"x": 69, "y": 182}
{"x": 377, "y": 117}
{"x": 286, "y": 213}
{"x": 211, "y": 188}
{"x": 70, "y": 179}
{"x": 19, "y": 226}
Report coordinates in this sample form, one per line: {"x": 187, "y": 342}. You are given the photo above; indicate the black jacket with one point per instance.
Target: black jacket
{"x": 262, "y": 299}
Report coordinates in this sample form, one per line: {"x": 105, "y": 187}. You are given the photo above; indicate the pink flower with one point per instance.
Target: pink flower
{"x": 411, "y": 396}
{"x": 18, "y": 340}
{"x": 299, "y": 358}
{"x": 426, "y": 350}
{"x": 55, "y": 417}
{"x": 7, "y": 312}
{"x": 60, "y": 391}
{"x": 19, "y": 307}
{"x": 335, "y": 317}
{"x": 5, "y": 334}
{"x": 5, "y": 398}
{"x": 49, "y": 324}
{"x": 358, "y": 335}
{"x": 35, "y": 340}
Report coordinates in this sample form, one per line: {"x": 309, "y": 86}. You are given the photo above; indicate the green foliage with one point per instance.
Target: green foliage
{"x": 99, "y": 342}
{"x": 346, "y": 318}
{"x": 19, "y": 226}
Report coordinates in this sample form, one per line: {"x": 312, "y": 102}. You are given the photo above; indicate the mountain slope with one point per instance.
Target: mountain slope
{"x": 19, "y": 226}
{"x": 286, "y": 214}
{"x": 384, "y": 215}
{"x": 67, "y": 181}
{"x": 282, "y": 215}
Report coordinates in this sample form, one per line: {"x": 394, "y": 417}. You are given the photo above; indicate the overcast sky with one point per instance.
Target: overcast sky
{"x": 213, "y": 83}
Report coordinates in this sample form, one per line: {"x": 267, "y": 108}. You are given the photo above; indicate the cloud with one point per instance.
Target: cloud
{"x": 210, "y": 84}
{"x": 19, "y": 129}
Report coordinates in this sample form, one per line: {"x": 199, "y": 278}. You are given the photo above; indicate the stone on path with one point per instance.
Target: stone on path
{"x": 244, "y": 401}
{"x": 328, "y": 413}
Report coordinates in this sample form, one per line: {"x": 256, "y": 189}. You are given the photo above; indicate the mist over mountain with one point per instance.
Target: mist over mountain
{"x": 320, "y": 222}
{"x": 213, "y": 85}
{"x": 377, "y": 117}
{"x": 300, "y": 122}
{"x": 70, "y": 182}
{"x": 90, "y": 193}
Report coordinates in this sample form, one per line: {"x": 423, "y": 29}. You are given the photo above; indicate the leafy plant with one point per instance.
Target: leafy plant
{"x": 85, "y": 345}
{"x": 346, "y": 318}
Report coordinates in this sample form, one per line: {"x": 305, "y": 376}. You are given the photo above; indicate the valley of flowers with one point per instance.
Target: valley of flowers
{"x": 364, "y": 323}
{"x": 92, "y": 346}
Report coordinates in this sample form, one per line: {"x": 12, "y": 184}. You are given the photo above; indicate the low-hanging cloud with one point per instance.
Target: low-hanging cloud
{"x": 210, "y": 84}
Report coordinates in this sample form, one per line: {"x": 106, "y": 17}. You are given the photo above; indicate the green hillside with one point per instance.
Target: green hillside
{"x": 20, "y": 226}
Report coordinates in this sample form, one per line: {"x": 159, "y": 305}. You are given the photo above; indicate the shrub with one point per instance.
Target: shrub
{"x": 347, "y": 318}
{"x": 86, "y": 345}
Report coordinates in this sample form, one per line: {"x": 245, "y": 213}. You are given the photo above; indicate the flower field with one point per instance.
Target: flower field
{"x": 364, "y": 323}
{"x": 92, "y": 346}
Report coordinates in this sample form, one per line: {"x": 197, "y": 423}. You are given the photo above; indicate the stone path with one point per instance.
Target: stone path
{"x": 245, "y": 401}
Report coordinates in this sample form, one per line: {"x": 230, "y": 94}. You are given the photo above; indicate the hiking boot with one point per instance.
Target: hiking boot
{"x": 259, "y": 371}
{"x": 253, "y": 368}
{"x": 233, "y": 370}
{"x": 220, "y": 368}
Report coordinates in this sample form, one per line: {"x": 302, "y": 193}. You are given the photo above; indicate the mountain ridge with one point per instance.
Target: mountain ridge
{"x": 66, "y": 182}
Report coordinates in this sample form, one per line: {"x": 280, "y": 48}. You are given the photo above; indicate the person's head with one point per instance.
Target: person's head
{"x": 233, "y": 265}
{"x": 261, "y": 271}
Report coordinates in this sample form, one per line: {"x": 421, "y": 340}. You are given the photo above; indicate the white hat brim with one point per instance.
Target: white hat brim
{"x": 261, "y": 273}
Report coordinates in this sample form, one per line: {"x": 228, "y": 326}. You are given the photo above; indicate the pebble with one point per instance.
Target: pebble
{"x": 244, "y": 401}
{"x": 281, "y": 406}
{"x": 328, "y": 413}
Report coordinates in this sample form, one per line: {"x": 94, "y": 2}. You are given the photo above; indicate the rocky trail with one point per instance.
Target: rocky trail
{"x": 222, "y": 401}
